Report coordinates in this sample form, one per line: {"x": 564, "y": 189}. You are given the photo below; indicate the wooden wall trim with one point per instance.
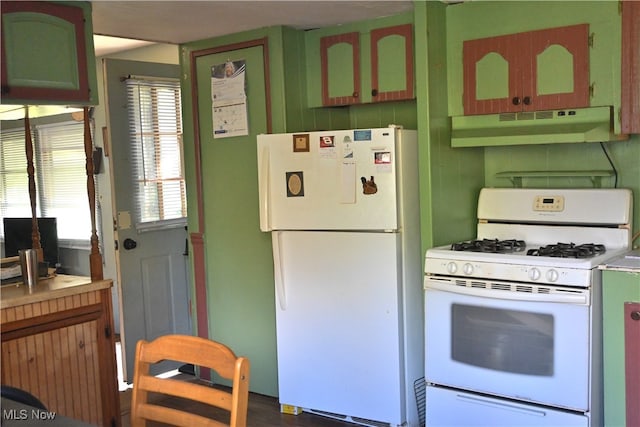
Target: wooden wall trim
{"x": 49, "y": 322}
{"x": 630, "y": 78}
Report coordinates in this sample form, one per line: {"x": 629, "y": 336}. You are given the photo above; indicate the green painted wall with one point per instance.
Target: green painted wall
{"x": 450, "y": 179}
{"x": 625, "y": 156}
{"x": 239, "y": 266}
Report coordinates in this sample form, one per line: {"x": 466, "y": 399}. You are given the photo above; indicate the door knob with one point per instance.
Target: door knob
{"x": 635, "y": 315}
{"x": 129, "y": 244}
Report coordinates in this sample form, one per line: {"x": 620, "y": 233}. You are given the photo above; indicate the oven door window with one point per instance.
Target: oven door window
{"x": 504, "y": 340}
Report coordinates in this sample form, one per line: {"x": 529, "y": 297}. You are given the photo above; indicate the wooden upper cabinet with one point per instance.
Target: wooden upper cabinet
{"x": 392, "y": 74}
{"x": 340, "y": 63}
{"x": 47, "y": 53}
{"x": 362, "y": 67}
{"x": 532, "y": 71}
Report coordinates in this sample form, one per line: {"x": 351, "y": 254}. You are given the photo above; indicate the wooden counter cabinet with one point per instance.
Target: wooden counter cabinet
{"x": 58, "y": 344}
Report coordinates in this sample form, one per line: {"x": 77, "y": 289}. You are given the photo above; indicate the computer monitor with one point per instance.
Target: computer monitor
{"x": 17, "y": 236}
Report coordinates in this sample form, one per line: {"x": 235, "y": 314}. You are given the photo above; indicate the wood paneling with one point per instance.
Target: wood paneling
{"x": 62, "y": 351}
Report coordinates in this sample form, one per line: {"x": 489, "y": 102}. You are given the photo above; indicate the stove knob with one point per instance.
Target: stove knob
{"x": 534, "y": 274}
{"x": 552, "y": 275}
{"x": 452, "y": 267}
{"x": 467, "y": 269}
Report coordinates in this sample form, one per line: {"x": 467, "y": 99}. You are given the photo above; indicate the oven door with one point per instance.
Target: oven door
{"x": 531, "y": 345}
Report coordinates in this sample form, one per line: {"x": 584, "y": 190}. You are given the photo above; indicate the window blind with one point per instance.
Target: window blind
{"x": 63, "y": 176}
{"x": 60, "y": 173}
{"x": 14, "y": 182}
{"x": 155, "y": 129}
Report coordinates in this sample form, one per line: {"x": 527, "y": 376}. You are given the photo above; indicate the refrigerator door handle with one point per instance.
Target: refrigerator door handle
{"x": 264, "y": 189}
{"x": 277, "y": 270}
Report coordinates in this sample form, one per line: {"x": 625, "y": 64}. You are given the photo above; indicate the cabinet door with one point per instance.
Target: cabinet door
{"x": 559, "y": 74}
{"x": 44, "y": 56}
{"x": 392, "y": 73}
{"x": 340, "y": 69}
{"x": 492, "y": 74}
{"x": 532, "y": 71}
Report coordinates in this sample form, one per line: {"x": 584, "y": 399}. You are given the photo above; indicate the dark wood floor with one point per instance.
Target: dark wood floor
{"x": 264, "y": 411}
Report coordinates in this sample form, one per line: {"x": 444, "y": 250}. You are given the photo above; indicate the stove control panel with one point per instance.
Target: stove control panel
{"x": 548, "y": 203}
{"x": 513, "y": 272}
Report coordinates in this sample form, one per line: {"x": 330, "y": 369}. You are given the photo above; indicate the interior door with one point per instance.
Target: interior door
{"x": 151, "y": 265}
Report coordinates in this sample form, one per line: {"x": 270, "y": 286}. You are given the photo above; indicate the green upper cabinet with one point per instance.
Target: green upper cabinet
{"x": 47, "y": 53}
{"x": 541, "y": 56}
{"x": 535, "y": 70}
{"x": 359, "y": 63}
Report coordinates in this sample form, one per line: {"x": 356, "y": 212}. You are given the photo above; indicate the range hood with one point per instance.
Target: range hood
{"x": 592, "y": 124}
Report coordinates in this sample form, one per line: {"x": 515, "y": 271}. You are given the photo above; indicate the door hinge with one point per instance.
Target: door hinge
{"x": 107, "y": 331}
{"x": 592, "y": 37}
{"x": 592, "y": 89}
{"x": 115, "y": 244}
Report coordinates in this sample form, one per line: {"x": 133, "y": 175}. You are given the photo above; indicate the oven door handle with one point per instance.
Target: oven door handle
{"x": 568, "y": 296}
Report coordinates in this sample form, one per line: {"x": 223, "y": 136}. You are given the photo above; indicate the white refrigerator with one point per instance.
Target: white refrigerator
{"x": 343, "y": 211}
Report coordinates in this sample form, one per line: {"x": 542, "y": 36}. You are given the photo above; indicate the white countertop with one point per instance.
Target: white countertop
{"x": 629, "y": 261}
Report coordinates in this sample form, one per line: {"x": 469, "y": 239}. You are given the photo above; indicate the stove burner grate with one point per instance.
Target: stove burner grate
{"x": 568, "y": 250}
{"x": 488, "y": 245}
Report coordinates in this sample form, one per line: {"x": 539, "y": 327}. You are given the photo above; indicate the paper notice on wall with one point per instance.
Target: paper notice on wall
{"x": 229, "y": 99}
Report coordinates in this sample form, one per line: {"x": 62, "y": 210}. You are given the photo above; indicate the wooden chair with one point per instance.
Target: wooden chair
{"x": 197, "y": 351}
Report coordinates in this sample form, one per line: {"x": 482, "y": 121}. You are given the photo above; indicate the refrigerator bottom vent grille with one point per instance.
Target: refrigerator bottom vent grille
{"x": 356, "y": 420}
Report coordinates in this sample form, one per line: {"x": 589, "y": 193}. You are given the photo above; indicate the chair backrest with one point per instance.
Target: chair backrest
{"x": 199, "y": 352}
{"x": 21, "y": 396}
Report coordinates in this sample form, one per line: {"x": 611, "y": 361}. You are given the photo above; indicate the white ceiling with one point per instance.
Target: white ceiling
{"x": 185, "y": 21}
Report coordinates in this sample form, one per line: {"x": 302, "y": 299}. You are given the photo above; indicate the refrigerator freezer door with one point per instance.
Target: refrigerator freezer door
{"x": 338, "y": 323}
{"x": 334, "y": 180}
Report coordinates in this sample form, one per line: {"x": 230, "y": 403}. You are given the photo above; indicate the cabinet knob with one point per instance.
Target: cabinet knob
{"x": 635, "y": 315}
{"x": 515, "y": 100}
{"x": 527, "y": 100}
{"x": 355, "y": 94}
{"x": 374, "y": 92}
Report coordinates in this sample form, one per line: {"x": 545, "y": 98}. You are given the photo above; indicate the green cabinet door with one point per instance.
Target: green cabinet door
{"x": 621, "y": 293}
{"x": 392, "y": 75}
{"x": 47, "y": 53}
{"x": 531, "y": 71}
{"x": 340, "y": 62}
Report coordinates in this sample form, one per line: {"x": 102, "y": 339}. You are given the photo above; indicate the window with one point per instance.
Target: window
{"x": 60, "y": 173}
{"x": 155, "y": 129}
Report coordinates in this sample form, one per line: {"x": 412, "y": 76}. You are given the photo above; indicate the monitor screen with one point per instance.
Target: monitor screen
{"x": 17, "y": 236}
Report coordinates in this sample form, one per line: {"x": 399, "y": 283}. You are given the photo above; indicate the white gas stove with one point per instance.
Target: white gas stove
{"x": 540, "y": 236}
{"x": 512, "y": 316}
